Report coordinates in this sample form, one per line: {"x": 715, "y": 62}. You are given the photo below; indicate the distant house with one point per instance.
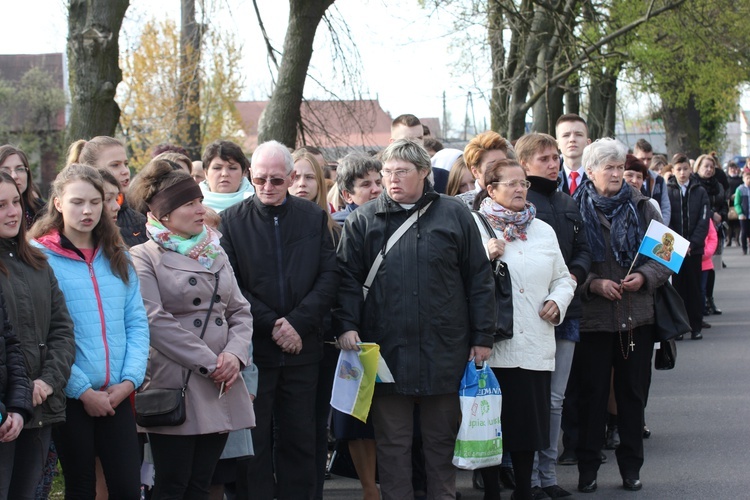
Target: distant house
{"x": 336, "y": 127}
{"x": 36, "y": 124}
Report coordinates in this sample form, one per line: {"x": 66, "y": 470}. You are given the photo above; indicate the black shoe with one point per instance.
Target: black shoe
{"x": 712, "y": 305}
{"x": 537, "y": 493}
{"x": 555, "y": 491}
{"x": 632, "y": 484}
{"x": 705, "y": 325}
{"x": 679, "y": 337}
{"x": 568, "y": 457}
{"x": 646, "y": 432}
{"x": 696, "y": 336}
{"x": 477, "y": 481}
{"x": 508, "y": 478}
{"x": 589, "y": 487}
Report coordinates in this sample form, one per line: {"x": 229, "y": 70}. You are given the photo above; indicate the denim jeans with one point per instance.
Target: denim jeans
{"x": 544, "y": 463}
{"x": 21, "y": 463}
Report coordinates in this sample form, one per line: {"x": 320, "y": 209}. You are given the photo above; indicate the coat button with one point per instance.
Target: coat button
{"x": 193, "y": 281}
{"x": 217, "y": 298}
{"x": 197, "y": 323}
{"x": 196, "y": 302}
{"x": 203, "y": 370}
{"x": 521, "y": 290}
{"x": 219, "y": 322}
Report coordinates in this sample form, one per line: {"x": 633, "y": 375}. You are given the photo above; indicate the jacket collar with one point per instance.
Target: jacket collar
{"x": 57, "y": 243}
{"x": 386, "y": 205}
{"x": 269, "y": 210}
{"x": 543, "y": 185}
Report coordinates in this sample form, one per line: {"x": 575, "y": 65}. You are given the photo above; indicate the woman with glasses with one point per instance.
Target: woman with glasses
{"x": 618, "y": 314}
{"x": 542, "y": 291}
{"x": 226, "y": 168}
{"x": 14, "y": 162}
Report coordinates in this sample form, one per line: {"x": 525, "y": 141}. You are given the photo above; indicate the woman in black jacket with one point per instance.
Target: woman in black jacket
{"x": 36, "y": 309}
{"x": 15, "y": 386}
{"x": 690, "y": 218}
{"x": 706, "y": 168}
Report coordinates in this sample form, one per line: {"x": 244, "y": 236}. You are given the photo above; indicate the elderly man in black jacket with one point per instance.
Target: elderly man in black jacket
{"x": 430, "y": 308}
{"x": 284, "y": 259}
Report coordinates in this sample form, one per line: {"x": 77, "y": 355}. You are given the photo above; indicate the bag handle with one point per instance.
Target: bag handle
{"x": 391, "y": 241}
{"x": 205, "y": 324}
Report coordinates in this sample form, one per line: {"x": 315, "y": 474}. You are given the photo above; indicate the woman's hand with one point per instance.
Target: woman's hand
{"x": 479, "y": 354}
{"x": 633, "y": 282}
{"x": 347, "y": 341}
{"x": 607, "y": 289}
{"x": 496, "y": 248}
{"x": 118, "y": 392}
{"x": 227, "y": 369}
{"x": 717, "y": 218}
{"x": 96, "y": 403}
{"x": 11, "y": 428}
{"x": 42, "y": 390}
{"x": 550, "y": 312}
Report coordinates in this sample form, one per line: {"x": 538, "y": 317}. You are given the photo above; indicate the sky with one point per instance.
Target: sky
{"x": 406, "y": 60}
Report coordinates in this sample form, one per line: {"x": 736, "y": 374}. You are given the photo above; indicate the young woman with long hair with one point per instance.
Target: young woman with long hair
{"x": 14, "y": 162}
{"x": 36, "y": 309}
{"x": 102, "y": 293}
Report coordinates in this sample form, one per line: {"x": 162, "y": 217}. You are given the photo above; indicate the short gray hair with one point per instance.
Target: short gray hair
{"x": 601, "y": 151}
{"x": 271, "y": 149}
{"x": 355, "y": 166}
{"x": 408, "y": 151}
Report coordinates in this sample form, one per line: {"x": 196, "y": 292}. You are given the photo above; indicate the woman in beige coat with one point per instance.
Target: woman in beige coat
{"x": 179, "y": 267}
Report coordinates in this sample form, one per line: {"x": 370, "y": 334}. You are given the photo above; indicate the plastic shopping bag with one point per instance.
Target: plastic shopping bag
{"x": 480, "y": 438}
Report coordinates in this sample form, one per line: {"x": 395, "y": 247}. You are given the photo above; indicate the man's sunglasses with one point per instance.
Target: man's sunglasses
{"x": 275, "y": 181}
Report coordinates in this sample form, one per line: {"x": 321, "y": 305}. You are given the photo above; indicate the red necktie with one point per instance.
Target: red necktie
{"x": 573, "y": 182}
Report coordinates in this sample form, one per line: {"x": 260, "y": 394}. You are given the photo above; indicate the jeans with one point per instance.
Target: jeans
{"x": 544, "y": 462}
{"x": 21, "y": 463}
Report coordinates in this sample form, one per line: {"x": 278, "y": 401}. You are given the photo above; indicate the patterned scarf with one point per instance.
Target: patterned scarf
{"x": 625, "y": 232}
{"x": 203, "y": 247}
{"x": 512, "y": 224}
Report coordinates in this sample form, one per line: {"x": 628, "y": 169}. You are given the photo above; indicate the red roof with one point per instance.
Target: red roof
{"x": 340, "y": 125}
{"x": 14, "y": 66}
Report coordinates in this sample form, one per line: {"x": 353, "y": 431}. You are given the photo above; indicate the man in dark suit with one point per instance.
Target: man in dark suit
{"x": 572, "y": 136}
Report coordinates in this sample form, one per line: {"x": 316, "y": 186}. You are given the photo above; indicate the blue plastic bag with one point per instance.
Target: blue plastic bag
{"x": 479, "y": 442}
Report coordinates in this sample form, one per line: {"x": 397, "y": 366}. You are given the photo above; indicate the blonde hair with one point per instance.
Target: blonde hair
{"x": 89, "y": 152}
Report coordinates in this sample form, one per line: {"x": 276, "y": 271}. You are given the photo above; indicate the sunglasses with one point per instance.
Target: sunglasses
{"x": 275, "y": 181}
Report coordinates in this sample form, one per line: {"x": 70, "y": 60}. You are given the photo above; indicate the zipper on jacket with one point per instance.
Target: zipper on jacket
{"x": 280, "y": 263}
{"x": 101, "y": 318}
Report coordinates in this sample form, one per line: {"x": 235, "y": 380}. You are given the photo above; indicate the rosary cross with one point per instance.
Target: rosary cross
{"x": 632, "y": 346}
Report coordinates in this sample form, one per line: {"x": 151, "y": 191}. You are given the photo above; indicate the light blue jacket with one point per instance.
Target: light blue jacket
{"x": 110, "y": 324}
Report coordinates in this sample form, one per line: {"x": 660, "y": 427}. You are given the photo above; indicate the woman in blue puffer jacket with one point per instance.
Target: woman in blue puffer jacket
{"x": 111, "y": 333}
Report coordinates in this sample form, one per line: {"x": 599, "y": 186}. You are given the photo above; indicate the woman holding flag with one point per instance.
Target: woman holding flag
{"x": 618, "y": 313}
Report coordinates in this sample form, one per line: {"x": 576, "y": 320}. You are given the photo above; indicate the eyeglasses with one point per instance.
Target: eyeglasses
{"x": 514, "y": 184}
{"x": 400, "y": 173}
{"x": 18, "y": 170}
{"x": 275, "y": 181}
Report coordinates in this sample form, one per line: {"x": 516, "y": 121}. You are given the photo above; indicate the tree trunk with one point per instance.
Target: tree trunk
{"x": 602, "y": 102}
{"x": 281, "y": 118}
{"x": 499, "y": 99}
{"x": 682, "y": 126}
{"x": 93, "y": 65}
{"x": 189, "y": 111}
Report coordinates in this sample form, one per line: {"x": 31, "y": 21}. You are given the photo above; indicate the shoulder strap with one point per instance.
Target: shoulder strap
{"x": 391, "y": 241}
{"x": 484, "y": 223}
{"x": 205, "y": 324}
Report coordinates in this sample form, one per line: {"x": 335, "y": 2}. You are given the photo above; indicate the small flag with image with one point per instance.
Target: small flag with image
{"x": 664, "y": 246}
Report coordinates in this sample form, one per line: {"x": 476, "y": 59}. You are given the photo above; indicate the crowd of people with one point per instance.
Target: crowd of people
{"x": 235, "y": 281}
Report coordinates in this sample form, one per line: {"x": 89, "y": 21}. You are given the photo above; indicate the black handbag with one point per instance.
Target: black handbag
{"x": 503, "y": 290}
{"x": 166, "y": 407}
{"x": 671, "y": 318}
{"x": 666, "y": 355}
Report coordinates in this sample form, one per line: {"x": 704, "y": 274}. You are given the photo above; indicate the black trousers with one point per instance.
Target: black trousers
{"x": 688, "y": 284}
{"x": 596, "y": 355}
{"x": 184, "y": 465}
{"x": 112, "y": 438}
{"x": 285, "y": 434}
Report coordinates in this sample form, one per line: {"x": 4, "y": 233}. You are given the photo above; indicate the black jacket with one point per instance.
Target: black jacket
{"x": 285, "y": 264}
{"x": 560, "y": 211}
{"x": 717, "y": 199}
{"x": 37, "y": 309}
{"x": 432, "y": 298}
{"x": 15, "y": 385}
{"x": 690, "y": 213}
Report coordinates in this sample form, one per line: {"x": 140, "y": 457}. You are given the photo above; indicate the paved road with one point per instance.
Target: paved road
{"x": 699, "y": 414}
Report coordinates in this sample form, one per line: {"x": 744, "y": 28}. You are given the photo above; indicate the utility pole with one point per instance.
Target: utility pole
{"x": 445, "y": 119}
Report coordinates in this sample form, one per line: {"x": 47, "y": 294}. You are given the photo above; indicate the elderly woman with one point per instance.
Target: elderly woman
{"x": 705, "y": 166}
{"x": 226, "y": 168}
{"x": 618, "y": 313}
{"x": 542, "y": 291}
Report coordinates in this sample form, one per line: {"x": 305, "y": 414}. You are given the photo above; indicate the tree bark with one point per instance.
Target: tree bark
{"x": 93, "y": 65}
{"x": 682, "y": 126}
{"x": 499, "y": 99}
{"x": 281, "y": 118}
{"x": 189, "y": 94}
{"x": 602, "y": 102}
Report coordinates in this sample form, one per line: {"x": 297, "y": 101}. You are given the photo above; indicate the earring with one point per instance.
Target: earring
{"x": 165, "y": 218}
